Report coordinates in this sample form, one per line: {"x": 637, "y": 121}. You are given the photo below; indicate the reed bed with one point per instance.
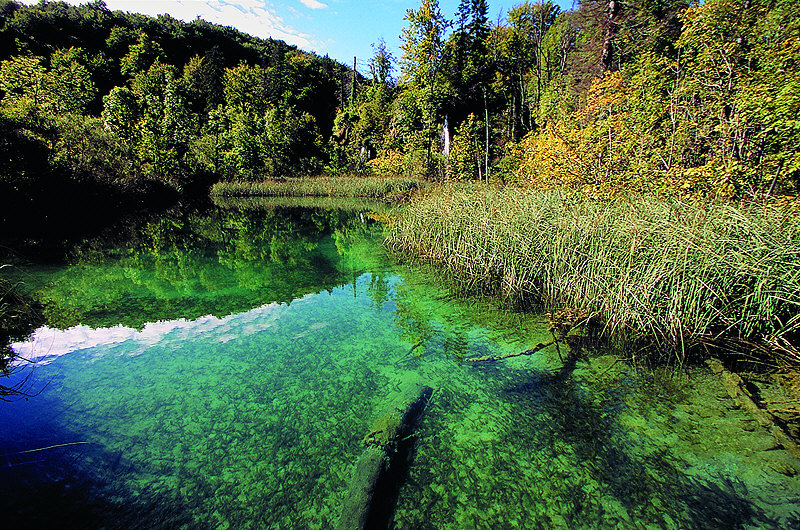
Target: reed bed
{"x": 260, "y": 202}
{"x": 677, "y": 275}
{"x": 324, "y": 186}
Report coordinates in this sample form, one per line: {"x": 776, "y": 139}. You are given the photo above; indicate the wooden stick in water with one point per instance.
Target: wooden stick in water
{"x": 738, "y": 392}
{"x": 50, "y": 447}
{"x": 530, "y": 351}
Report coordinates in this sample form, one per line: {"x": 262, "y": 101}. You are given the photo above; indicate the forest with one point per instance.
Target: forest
{"x": 104, "y": 112}
{"x": 109, "y": 109}
{"x": 609, "y": 98}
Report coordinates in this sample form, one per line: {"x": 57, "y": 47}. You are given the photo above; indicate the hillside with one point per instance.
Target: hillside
{"x": 109, "y": 108}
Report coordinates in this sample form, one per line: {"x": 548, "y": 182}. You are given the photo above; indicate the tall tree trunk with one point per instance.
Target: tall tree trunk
{"x": 610, "y": 33}
{"x": 353, "y": 85}
{"x": 486, "y": 124}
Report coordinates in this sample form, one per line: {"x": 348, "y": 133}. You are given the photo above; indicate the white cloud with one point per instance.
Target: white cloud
{"x": 256, "y": 17}
{"x": 313, "y": 4}
{"x": 46, "y": 344}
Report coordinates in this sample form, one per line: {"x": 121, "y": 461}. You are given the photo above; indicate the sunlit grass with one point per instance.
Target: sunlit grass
{"x": 679, "y": 275}
{"x": 391, "y": 188}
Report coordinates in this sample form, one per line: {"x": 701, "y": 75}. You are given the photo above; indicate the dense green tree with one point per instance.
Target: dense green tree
{"x": 141, "y": 56}
{"x": 381, "y": 68}
{"x": 423, "y": 41}
{"x": 120, "y": 113}
{"x": 468, "y": 68}
{"x": 466, "y": 161}
{"x": 30, "y": 87}
{"x": 22, "y": 80}
{"x": 164, "y": 126}
{"x": 361, "y": 128}
{"x": 525, "y": 64}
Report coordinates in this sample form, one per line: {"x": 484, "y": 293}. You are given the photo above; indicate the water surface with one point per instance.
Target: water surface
{"x": 220, "y": 369}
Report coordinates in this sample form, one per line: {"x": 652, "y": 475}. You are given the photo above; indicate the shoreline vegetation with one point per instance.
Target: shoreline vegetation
{"x": 673, "y": 278}
{"x": 661, "y": 279}
{"x": 394, "y": 189}
{"x": 352, "y": 204}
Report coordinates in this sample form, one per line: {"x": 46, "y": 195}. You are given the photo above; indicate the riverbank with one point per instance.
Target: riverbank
{"x": 660, "y": 279}
{"x": 385, "y": 188}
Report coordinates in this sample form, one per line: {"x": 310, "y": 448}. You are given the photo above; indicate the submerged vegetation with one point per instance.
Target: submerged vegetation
{"x": 681, "y": 275}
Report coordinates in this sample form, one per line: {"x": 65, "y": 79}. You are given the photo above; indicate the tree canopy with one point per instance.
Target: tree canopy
{"x": 609, "y": 98}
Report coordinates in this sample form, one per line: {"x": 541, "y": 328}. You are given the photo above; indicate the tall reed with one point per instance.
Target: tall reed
{"x": 322, "y": 186}
{"x": 677, "y": 274}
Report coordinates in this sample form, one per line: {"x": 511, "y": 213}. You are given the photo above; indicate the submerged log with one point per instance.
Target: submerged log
{"x": 383, "y": 465}
{"x": 735, "y": 387}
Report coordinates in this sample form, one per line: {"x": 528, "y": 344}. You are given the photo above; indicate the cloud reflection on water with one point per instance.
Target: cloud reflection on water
{"x": 47, "y": 344}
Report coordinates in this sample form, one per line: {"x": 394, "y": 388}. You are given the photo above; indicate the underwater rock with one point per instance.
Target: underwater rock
{"x": 383, "y": 465}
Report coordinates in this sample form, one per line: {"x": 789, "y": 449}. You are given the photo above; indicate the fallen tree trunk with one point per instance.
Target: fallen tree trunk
{"x": 738, "y": 392}
{"x": 383, "y": 465}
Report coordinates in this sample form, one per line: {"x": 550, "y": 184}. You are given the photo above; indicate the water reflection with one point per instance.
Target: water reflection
{"x": 189, "y": 265}
{"x": 48, "y": 343}
{"x": 224, "y": 366}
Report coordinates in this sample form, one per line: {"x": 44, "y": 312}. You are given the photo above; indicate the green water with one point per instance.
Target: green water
{"x": 223, "y": 368}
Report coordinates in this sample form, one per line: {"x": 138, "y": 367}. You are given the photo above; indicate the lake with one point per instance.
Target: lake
{"x": 221, "y": 368}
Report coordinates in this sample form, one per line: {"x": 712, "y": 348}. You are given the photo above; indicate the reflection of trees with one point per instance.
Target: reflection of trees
{"x": 426, "y": 321}
{"x": 187, "y": 265}
{"x": 433, "y": 312}
{"x": 378, "y": 290}
{"x": 414, "y": 324}
{"x": 261, "y": 251}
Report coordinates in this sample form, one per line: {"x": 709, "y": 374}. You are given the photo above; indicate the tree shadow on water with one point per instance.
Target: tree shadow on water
{"x": 602, "y": 476}
{"x": 77, "y": 485}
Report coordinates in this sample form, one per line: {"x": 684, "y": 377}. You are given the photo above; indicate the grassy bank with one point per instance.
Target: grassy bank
{"x": 353, "y": 204}
{"x": 391, "y": 188}
{"x": 678, "y": 275}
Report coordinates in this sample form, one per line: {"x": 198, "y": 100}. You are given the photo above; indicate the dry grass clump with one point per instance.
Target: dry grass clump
{"x": 323, "y": 186}
{"x": 678, "y": 274}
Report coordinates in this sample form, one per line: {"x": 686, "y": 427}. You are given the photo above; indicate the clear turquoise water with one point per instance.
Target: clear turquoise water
{"x": 223, "y": 367}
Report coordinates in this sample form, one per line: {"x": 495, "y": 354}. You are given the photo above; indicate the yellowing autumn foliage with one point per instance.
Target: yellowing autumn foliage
{"x": 389, "y": 164}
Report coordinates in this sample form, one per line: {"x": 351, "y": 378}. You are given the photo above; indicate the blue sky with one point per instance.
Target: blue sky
{"x": 339, "y": 28}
